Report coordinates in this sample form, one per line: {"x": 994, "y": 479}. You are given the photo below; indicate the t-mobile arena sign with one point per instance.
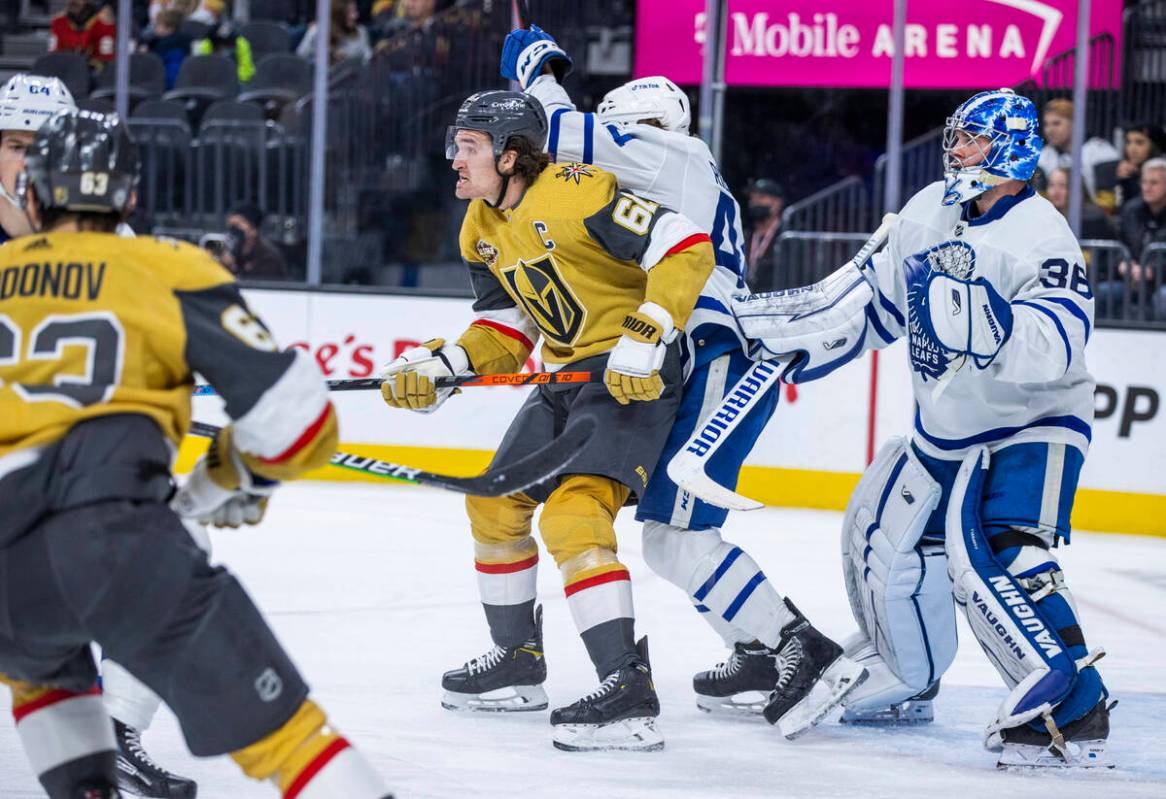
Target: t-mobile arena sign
{"x": 949, "y": 43}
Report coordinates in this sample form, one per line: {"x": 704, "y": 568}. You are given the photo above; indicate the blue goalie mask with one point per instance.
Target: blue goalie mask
{"x": 1005, "y": 128}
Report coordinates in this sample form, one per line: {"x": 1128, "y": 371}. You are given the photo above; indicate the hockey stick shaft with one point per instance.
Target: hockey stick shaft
{"x": 469, "y": 381}
{"x": 498, "y": 480}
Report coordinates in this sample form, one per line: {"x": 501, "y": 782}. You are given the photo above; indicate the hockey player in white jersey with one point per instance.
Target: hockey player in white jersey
{"x": 780, "y": 665}
{"x": 987, "y": 282}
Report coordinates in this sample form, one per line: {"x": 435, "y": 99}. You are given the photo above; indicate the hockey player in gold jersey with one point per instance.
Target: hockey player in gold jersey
{"x": 607, "y": 279}
{"x": 99, "y": 340}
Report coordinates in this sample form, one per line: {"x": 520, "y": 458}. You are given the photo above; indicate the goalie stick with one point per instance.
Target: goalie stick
{"x": 497, "y": 481}
{"x": 687, "y": 466}
{"x": 506, "y": 379}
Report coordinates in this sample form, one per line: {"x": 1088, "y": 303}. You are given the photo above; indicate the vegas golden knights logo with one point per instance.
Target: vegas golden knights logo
{"x": 547, "y": 298}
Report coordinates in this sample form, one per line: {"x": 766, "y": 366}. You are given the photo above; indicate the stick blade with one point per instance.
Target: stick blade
{"x": 687, "y": 471}
{"x": 536, "y": 467}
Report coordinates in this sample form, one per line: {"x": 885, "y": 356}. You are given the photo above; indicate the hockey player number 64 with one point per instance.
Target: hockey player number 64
{"x": 85, "y": 376}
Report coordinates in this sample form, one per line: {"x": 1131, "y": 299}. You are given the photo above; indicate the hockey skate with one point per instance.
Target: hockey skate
{"x": 919, "y": 709}
{"x": 741, "y": 685}
{"x": 506, "y": 679}
{"x": 1081, "y": 744}
{"x": 814, "y": 677}
{"x": 138, "y": 775}
{"x": 620, "y": 714}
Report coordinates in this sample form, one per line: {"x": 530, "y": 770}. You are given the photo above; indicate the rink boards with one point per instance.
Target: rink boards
{"x": 810, "y": 455}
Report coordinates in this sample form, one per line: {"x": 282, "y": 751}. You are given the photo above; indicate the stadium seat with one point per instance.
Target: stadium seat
{"x": 162, "y": 133}
{"x": 229, "y": 159}
{"x": 266, "y": 38}
{"x": 202, "y": 80}
{"x": 161, "y": 109}
{"x": 98, "y": 104}
{"x": 280, "y": 79}
{"x": 71, "y": 68}
{"x": 147, "y": 79}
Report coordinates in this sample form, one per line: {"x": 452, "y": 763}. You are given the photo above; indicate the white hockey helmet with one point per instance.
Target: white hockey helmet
{"x": 27, "y": 101}
{"x": 654, "y": 97}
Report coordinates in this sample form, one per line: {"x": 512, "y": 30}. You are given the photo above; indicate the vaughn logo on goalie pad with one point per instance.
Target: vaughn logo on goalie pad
{"x": 1024, "y": 614}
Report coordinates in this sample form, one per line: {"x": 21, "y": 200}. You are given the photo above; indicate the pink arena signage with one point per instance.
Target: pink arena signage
{"x": 950, "y": 43}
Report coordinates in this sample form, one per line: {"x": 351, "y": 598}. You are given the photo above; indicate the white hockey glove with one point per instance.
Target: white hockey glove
{"x": 633, "y": 368}
{"x": 409, "y": 381}
{"x": 967, "y": 317}
{"x": 221, "y": 490}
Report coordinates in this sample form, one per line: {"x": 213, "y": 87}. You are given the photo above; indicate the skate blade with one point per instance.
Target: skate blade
{"x": 904, "y": 714}
{"x": 511, "y": 699}
{"x": 1081, "y": 754}
{"x": 633, "y": 735}
{"x": 836, "y": 682}
{"x": 746, "y": 704}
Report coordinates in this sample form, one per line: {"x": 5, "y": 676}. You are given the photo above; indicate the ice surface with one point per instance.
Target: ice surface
{"x": 372, "y": 590}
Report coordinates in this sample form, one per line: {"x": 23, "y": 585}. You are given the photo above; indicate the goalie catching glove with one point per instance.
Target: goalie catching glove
{"x": 221, "y": 490}
{"x": 633, "y": 368}
{"x": 410, "y": 379}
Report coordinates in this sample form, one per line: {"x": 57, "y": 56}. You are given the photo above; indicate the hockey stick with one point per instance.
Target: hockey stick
{"x": 687, "y": 467}
{"x": 497, "y": 481}
{"x": 507, "y": 379}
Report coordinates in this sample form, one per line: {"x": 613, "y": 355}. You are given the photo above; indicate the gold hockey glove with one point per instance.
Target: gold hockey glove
{"x": 633, "y": 368}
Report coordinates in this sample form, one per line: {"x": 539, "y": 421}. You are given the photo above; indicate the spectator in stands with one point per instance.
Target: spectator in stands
{"x": 1057, "y": 131}
{"x": 348, "y": 39}
{"x": 249, "y": 254}
{"x": 763, "y": 225}
{"x": 166, "y": 39}
{"x": 1142, "y": 142}
{"x": 86, "y": 27}
{"x": 1143, "y": 222}
{"x": 1095, "y": 224}
{"x": 223, "y": 37}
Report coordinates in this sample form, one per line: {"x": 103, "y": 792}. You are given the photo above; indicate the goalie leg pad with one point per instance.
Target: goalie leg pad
{"x": 1013, "y": 630}
{"x": 896, "y": 579}
{"x": 721, "y": 579}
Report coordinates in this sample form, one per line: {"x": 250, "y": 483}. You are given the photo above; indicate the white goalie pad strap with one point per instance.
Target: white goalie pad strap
{"x": 1007, "y": 623}
{"x": 899, "y": 590}
{"x": 822, "y": 325}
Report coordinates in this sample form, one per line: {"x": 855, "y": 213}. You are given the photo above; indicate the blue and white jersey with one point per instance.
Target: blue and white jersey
{"x": 1038, "y": 387}
{"x": 677, "y": 171}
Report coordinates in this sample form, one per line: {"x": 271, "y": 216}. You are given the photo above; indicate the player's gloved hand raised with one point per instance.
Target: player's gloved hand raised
{"x": 409, "y": 380}
{"x": 967, "y": 317}
{"x": 633, "y": 368}
{"x": 525, "y": 53}
{"x": 221, "y": 490}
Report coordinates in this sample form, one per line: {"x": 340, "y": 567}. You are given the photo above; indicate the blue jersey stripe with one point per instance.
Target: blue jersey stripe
{"x": 743, "y": 596}
{"x": 711, "y": 304}
{"x": 1072, "y": 308}
{"x": 873, "y": 316}
{"x": 1069, "y": 422}
{"x": 588, "y": 137}
{"x": 890, "y": 308}
{"x": 703, "y": 591}
{"x": 1060, "y": 328}
{"x": 553, "y": 137}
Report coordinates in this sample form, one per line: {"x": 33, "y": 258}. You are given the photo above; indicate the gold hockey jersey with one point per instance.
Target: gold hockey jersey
{"x": 93, "y": 324}
{"x": 569, "y": 262}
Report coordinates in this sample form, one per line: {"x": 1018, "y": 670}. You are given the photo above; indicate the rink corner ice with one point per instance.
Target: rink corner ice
{"x": 1109, "y": 511}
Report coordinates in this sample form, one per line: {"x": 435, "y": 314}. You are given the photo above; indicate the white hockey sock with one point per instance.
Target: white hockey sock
{"x": 58, "y": 727}
{"x": 127, "y": 698}
{"x": 340, "y": 772}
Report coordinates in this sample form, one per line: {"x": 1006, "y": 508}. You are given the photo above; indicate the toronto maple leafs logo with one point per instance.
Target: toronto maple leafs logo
{"x": 575, "y": 172}
{"x": 955, "y": 258}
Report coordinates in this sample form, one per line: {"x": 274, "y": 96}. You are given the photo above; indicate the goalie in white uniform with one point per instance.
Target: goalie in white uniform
{"x": 780, "y": 665}
{"x": 988, "y": 284}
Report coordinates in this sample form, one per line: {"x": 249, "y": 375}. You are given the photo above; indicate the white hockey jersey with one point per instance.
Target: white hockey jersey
{"x": 1038, "y": 387}
{"x": 677, "y": 171}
